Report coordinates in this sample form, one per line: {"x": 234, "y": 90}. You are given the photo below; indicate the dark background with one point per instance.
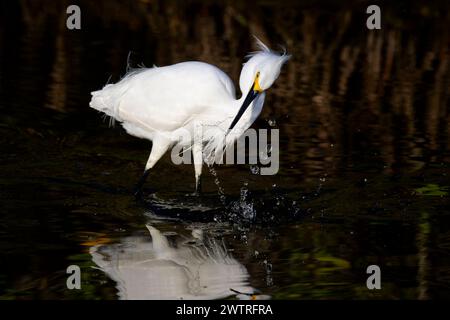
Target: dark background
{"x": 364, "y": 128}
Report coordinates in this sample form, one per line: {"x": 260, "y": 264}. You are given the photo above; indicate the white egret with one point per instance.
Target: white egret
{"x": 167, "y": 104}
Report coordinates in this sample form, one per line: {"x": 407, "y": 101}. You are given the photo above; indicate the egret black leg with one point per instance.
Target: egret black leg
{"x": 140, "y": 183}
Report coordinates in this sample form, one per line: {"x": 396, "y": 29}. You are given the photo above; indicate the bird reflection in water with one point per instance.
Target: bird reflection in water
{"x": 200, "y": 268}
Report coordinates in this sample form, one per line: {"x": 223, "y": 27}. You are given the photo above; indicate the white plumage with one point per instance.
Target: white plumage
{"x": 158, "y": 270}
{"x": 168, "y": 104}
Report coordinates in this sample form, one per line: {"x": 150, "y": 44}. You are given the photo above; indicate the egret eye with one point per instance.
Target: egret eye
{"x": 257, "y": 74}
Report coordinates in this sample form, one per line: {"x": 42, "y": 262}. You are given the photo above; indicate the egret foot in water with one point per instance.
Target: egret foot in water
{"x": 198, "y": 187}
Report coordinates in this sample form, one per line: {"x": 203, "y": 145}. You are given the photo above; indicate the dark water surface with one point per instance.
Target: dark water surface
{"x": 364, "y": 160}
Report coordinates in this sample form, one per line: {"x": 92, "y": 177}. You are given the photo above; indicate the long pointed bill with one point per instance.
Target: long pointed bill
{"x": 252, "y": 94}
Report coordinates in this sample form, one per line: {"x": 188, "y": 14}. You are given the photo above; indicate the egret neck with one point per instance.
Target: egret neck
{"x": 248, "y": 111}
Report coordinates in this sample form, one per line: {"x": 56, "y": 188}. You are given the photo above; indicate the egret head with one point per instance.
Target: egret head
{"x": 258, "y": 74}
{"x": 262, "y": 68}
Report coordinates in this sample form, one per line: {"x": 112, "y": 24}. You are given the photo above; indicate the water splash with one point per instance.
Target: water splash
{"x": 220, "y": 190}
{"x": 244, "y": 207}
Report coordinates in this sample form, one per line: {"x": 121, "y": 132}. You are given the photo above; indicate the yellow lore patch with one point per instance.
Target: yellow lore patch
{"x": 256, "y": 86}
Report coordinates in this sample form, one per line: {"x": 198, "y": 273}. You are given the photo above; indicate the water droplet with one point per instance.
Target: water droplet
{"x": 268, "y": 267}
{"x": 264, "y": 155}
{"x": 255, "y": 169}
{"x": 220, "y": 190}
